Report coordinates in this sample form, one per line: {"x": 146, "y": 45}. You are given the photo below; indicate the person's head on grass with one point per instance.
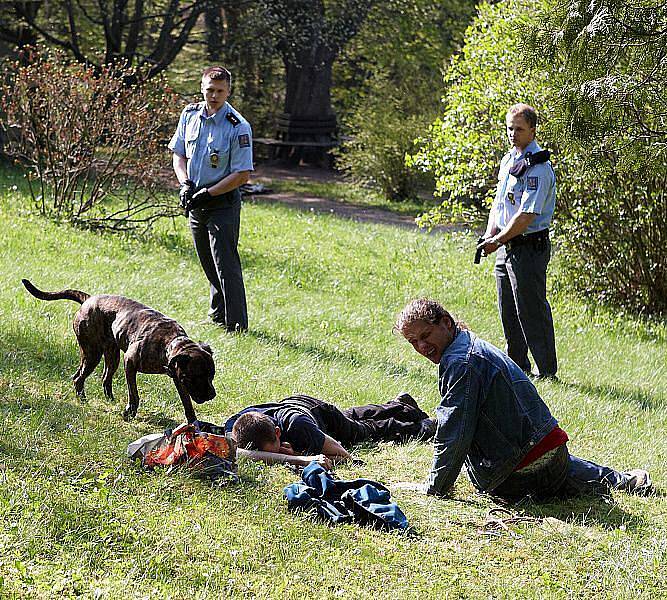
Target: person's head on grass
{"x": 255, "y": 431}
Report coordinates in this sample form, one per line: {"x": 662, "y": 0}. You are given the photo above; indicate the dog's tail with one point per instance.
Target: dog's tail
{"x": 75, "y": 295}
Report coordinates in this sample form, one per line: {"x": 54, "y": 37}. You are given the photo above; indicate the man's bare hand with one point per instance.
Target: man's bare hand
{"x": 489, "y": 245}
{"x": 324, "y": 461}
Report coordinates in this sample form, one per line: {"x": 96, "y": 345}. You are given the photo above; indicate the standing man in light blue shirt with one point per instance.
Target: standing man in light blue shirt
{"x": 212, "y": 158}
{"x": 518, "y": 228}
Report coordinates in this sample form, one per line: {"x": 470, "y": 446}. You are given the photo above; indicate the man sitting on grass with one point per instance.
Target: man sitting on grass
{"x": 300, "y": 428}
{"x": 492, "y": 419}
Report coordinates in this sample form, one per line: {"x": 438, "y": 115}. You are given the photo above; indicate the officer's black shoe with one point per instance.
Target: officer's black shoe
{"x": 543, "y": 376}
{"x": 236, "y": 328}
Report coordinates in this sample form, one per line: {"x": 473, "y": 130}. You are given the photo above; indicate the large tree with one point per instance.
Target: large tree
{"x": 309, "y": 36}
{"x": 147, "y": 34}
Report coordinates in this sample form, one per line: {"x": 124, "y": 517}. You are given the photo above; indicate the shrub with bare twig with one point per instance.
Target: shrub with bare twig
{"x": 92, "y": 143}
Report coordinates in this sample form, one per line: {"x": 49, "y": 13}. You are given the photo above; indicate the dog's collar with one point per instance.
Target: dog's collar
{"x": 173, "y": 344}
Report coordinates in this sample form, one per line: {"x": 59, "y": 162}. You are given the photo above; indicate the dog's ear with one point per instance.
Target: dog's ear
{"x": 206, "y": 348}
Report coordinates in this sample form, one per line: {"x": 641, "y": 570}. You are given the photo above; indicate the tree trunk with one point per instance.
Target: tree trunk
{"x": 309, "y": 116}
{"x": 213, "y": 18}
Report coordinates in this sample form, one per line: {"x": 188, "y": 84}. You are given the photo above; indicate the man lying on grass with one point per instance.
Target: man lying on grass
{"x": 492, "y": 418}
{"x": 300, "y": 428}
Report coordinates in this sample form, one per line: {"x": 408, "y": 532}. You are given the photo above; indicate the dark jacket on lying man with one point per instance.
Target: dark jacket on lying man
{"x": 310, "y": 426}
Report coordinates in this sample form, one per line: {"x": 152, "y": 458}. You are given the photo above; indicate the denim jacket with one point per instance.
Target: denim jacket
{"x": 490, "y": 415}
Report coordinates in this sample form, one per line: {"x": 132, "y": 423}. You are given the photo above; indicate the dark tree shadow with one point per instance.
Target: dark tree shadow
{"x": 599, "y": 511}
{"x": 27, "y": 355}
{"x": 158, "y": 420}
{"x": 29, "y": 351}
{"x": 351, "y": 358}
{"x": 643, "y": 399}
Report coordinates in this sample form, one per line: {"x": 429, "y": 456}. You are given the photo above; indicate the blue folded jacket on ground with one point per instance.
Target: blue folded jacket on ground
{"x": 344, "y": 501}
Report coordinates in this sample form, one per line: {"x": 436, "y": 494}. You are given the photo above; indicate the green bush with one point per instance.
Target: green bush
{"x": 464, "y": 145}
{"x": 612, "y": 101}
{"x": 383, "y": 132}
{"x": 601, "y": 123}
{"x": 387, "y": 89}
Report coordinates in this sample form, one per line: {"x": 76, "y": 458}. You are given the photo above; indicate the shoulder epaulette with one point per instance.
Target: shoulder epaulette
{"x": 193, "y": 106}
{"x": 232, "y": 118}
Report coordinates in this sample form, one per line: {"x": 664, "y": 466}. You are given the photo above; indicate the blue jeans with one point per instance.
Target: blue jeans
{"x": 564, "y": 476}
{"x": 587, "y": 478}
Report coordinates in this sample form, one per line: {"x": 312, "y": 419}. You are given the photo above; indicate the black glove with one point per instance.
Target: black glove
{"x": 185, "y": 195}
{"x": 198, "y": 198}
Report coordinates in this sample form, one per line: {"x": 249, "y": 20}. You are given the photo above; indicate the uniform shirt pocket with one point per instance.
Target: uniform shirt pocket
{"x": 217, "y": 153}
{"x": 514, "y": 193}
{"x": 217, "y": 145}
{"x": 191, "y": 135}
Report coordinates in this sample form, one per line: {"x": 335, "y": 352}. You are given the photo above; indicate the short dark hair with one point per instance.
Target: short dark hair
{"x": 427, "y": 310}
{"x": 526, "y": 111}
{"x": 218, "y": 73}
{"x": 252, "y": 430}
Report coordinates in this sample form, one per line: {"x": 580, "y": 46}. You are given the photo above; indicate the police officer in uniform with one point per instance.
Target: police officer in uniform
{"x": 212, "y": 158}
{"x": 518, "y": 229}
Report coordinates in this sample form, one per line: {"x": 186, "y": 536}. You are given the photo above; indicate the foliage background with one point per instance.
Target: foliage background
{"x": 578, "y": 68}
{"x": 388, "y": 89}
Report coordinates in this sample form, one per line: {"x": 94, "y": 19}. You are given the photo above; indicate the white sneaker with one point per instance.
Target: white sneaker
{"x": 638, "y": 482}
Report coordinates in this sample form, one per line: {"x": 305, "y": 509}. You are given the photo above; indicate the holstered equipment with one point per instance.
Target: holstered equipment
{"x": 520, "y": 167}
{"x": 538, "y": 240}
{"x": 205, "y": 201}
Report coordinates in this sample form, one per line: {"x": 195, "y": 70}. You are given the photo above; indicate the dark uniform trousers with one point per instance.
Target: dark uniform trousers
{"x": 215, "y": 233}
{"x": 521, "y": 279}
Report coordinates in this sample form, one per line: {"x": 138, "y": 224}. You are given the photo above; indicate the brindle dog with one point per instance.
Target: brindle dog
{"x": 151, "y": 342}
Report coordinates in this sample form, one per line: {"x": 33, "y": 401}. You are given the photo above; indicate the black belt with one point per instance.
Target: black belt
{"x": 528, "y": 238}
{"x": 221, "y": 201}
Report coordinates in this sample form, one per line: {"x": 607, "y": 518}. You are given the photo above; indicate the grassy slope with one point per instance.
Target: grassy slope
{"x": 79, "y": 519}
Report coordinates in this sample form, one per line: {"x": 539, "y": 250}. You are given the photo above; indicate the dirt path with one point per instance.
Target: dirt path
{"x": 266, "y": 173}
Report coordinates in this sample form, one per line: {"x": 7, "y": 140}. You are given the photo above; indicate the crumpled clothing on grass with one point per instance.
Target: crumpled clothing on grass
{"x": 360, "y": 501}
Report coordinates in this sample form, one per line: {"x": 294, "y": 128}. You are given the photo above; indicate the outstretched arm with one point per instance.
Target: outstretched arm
{"x": 273, "y": 458}
{"x": 334, "y": 450}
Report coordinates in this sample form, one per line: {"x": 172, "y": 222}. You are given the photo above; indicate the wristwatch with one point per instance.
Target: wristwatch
{"x": 496, "y": 241}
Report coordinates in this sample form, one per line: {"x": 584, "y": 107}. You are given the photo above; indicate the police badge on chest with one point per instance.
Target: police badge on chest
{"x": 214, "y": 157}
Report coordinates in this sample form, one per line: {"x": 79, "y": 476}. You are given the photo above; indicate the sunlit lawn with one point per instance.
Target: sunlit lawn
{"x": 79, "y": 519}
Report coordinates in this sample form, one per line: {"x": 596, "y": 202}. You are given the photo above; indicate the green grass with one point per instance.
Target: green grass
{"x": 78, "y": 519}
